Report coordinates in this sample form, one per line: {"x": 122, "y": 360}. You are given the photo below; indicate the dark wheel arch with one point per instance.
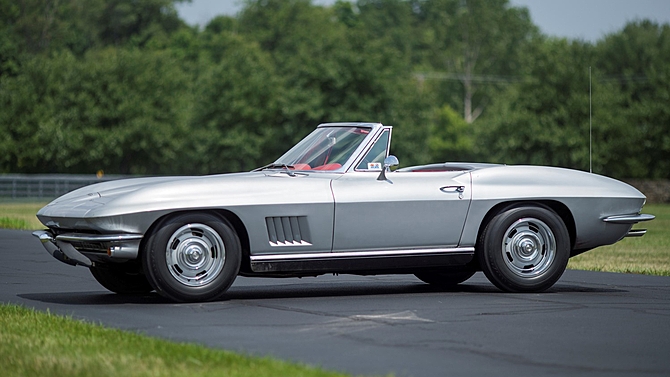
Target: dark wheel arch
{"x": 234, "y": 221}
{"x": 559, "y": 208}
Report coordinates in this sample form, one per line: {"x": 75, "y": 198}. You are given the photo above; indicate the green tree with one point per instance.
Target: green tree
{"x": 450, "y": 137}
{"x": 9, "y": 40}
{"x": 543, "y": 120}
{"x": 304, "y": 43}
{"x": 42, "y": 26}
{"x": 123, "y": 111}
{"x": 335, "y": 68}
{"x": 634, "y": 62}
{"x": 136, "y": 22}
{"x": 479, "y": 44}
{"x": 239, "y": 108}
{"x": 126, "y": 86}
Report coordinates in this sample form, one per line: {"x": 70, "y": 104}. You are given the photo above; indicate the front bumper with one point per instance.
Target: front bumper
{"x": 78, "y": 249}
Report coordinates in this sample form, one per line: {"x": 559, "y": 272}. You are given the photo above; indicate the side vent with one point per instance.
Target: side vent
{"x": 288, "y": 231}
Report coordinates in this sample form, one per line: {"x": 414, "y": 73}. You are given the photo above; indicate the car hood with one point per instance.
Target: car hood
{"x": 135, "y": 195}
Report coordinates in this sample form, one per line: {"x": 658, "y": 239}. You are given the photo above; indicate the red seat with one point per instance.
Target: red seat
{"x": 301, "y": 167}
{"x": 333, "y": 166}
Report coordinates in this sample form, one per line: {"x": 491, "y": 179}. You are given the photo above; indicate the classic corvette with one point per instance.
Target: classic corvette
{"x": 332, "y": 204}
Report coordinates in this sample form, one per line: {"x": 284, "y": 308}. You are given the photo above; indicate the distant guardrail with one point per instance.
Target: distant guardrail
{"x": 46, "y": 186}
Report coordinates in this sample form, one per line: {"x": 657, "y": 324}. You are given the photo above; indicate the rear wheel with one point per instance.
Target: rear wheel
{"x": 192, "y": 257}
{"x": 446, "y": 277}
{"x": 524, "y": 249}
{"x": 120, "y": 279}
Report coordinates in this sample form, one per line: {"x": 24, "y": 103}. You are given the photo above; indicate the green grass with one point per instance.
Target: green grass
{"x": 34, "y": 343}
{"x": 10, "y": 223}
{"x": 648, "y": 255}
{"x": 20, "y": 215}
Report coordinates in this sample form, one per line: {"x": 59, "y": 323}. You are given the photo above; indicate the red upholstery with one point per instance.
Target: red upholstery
{"x": 333, "y": 166}
{"x": 301, "y": 167}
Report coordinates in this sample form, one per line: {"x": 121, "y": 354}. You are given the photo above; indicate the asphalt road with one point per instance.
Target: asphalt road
{"x": 595, "y": 324}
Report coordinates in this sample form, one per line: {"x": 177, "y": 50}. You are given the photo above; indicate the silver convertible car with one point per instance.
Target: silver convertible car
{"x": 331, "y": 204}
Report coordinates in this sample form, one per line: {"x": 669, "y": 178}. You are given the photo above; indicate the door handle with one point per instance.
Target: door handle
{"x": 452, "y": 189}
{"x": 458, "y": 189}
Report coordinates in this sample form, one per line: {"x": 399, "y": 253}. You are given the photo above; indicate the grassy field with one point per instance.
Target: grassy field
{"x": 33, "y": 343}
{"x": 20, "y": 215}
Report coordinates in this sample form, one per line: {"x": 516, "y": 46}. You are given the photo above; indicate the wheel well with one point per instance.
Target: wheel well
{"x": 243, "y": 235}
{"x": 559, "y": 208}
{"x": 232, "y": 218}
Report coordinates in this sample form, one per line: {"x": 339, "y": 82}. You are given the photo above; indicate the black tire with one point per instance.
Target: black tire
{"x": 524, "y": 249}
{"x": 192, "y": 257}
{"x": 446, "y": 278}
{"x": 120, "y": 279}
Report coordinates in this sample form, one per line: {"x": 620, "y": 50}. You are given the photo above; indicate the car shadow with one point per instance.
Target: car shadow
{"x": 263, "y": 292}
{"x": 290, "y": 291}
{"x": 283, "y": 292}
{"x": 95, "y": 298}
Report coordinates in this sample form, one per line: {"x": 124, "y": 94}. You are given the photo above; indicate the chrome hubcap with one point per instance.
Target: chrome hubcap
{"x": 195, "y": 255}
{"x": 529, "y": 247}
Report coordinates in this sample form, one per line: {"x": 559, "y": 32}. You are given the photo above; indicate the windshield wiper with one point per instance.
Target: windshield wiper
{"x": 287, "y": 168}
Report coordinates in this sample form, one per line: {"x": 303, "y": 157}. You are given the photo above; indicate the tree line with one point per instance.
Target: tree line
{"x": 127, "y": 87}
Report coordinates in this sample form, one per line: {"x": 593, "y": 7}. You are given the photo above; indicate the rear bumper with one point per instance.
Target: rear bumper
{"x": 73, "y": 248}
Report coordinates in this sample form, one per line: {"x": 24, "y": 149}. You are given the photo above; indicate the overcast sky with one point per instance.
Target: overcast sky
{"x": 577, "y": 19}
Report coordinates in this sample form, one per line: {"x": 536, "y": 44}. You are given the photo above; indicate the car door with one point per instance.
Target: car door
{"x": 409, "y": 210}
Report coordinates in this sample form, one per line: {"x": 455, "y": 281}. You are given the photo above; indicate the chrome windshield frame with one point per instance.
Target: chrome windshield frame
{"x": 375, "y": 130}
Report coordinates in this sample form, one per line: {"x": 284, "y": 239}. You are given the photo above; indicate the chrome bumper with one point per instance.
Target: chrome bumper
{"x": 115, "y": 246}
{"x": 630, "y": 219}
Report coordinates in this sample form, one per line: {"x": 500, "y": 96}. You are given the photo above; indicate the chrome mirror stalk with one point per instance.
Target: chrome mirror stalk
{"x": 389, "y": 161}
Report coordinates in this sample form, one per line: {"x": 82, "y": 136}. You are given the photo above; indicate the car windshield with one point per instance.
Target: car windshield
{"x": 324, "y": 149}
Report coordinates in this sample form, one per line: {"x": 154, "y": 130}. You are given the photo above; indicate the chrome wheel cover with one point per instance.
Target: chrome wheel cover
{"x": 195, "y": 255}
{"x": 529, "y": 247}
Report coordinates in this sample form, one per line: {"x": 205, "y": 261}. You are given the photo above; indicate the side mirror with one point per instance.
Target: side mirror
{"x": 389, "y": 161}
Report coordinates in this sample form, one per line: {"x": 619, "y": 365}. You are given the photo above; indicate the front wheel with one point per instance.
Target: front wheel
{"x": 192, "y": 257}
{"x": 524, "y": 249}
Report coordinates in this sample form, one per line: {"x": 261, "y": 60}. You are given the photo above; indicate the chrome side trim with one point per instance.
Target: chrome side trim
{"x": 359, "y": 254}
{"x": 78, "y": 237}
{"x": 636, "y": 233}
{"x": 628, "y": 219}
{"x": 368, "y": 262}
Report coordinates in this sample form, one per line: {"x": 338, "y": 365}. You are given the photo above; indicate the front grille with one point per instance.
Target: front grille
{"x": 90, "y": 246}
